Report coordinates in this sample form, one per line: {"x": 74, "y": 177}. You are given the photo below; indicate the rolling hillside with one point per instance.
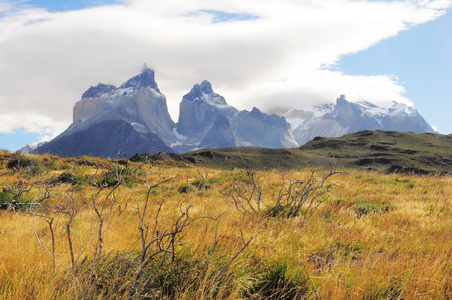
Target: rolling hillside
{"x": 387, "y": 151}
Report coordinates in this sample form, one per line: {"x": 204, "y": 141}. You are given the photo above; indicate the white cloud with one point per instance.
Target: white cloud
{"x": 47, "y": 60}
{"x": 44, "y": 126}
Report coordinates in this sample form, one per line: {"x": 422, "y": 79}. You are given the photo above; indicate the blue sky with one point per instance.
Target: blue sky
{"x": 65, "y": 5}
{"x": 422, "y": 60}
{"x": 255, "y": 53}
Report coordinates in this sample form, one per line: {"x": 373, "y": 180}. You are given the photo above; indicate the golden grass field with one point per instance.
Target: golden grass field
{"x": 373, "y": 235}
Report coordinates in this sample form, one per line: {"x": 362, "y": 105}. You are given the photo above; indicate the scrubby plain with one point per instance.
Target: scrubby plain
{"x": 369, "y": 235}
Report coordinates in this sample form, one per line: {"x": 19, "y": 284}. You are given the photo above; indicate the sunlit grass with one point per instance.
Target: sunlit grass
{"x": 401, "y": 251}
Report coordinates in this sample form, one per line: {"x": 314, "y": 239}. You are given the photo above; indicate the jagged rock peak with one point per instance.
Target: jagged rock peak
{"x": 342, "y": 100}
{"x": 145, "y": 79}
{"x": 205, "y": 87}
{"x": 98, "y": 90}
{"x": 272, "y": 119}
{"x": 204, "y": 92}
{"x": 255, "y": 112}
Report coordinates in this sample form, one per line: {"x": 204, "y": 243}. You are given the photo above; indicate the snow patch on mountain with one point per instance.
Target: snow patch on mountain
{"x": 213, "y": 100}
{"x": 401, "y": 109}
{"x": 178, "y": 135}
{"x": 321, "y": 110}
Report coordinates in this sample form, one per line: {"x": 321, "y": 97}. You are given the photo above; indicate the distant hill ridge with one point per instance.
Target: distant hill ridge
{"x": 386, "y": 151}
{"x": 133, "y": 118}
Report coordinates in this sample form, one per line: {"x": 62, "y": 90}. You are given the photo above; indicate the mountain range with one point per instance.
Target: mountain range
{"x": 133, "y": 118}
{"x": 334, "y": 120}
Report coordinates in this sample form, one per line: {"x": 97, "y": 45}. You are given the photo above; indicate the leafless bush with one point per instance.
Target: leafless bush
{"x": 301, "y": 196}
{"x": 99, "y": 205}
{"x": 71, "y": 210}
{"x": 159, "y": 239}
{"x": 296, "y": 196}
{"x": 49, "y": 219}
{"x": 246, "y": 195}
{"x": 50, "y": 214}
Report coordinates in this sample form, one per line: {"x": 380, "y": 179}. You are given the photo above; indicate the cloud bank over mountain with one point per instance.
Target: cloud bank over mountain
{"x": 257, "y": 53}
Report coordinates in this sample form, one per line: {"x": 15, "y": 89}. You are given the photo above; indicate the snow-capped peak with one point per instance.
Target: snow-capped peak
{"x": 145, "y": 79}
{"x": 401, "y": 109}
{"x": 204, "y": 93}
{"x": 397, "y": 109}
{"x": 98, "y": 91}
{"x": 323, "y": 109}
{"x": 372, "y": 109}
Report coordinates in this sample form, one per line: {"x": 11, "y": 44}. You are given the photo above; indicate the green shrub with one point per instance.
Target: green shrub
{"x": 410, "y": 186}
{"x": 162, "y": 278}
{"x": 26, "y": 163}
{"x": 109, "y": 179}
{"x": 397, "y": 180}
{"x": 13, "y": 200}
{"x": 113, "y": 277}
{"x": 365, "y": 207}
{"x": 160, "y": 189}
{"x": 277, "y": 210}
{"x": 201, "y": 184}
{"x": 173, "y": 277}
{"x": 74, "y": 179}
{"x": 186, "y": 188}
{"x": 276, "y": 283}
{"x": 118, "y": 174}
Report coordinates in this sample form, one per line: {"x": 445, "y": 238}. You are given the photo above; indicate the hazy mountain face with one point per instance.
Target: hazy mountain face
{"x": 334, "y": 120}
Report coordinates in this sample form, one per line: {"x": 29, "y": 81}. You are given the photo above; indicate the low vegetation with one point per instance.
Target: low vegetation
{"x": 384, "y": 151}
{"x": 91, "y": 228}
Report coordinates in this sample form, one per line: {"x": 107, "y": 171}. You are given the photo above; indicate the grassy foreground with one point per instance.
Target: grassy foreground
{"x": 367, "y": 235}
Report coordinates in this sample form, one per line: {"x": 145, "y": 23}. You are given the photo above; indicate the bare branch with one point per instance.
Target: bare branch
{"x": 52, "y": 236}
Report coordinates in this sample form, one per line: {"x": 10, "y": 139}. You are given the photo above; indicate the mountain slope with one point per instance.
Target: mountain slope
{"x": 107, "y": 139}
{"x": 207, "y": 121}
{"x": 219, "y": 135}
{"x": 258, "y": 129}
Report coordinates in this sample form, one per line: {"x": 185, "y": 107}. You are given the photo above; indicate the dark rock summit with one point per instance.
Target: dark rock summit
{"x": 98, "y": 90}
{"x": 145, "y": 79}
{"x": 199, "y": 90}
{"x": 107, "y": 139}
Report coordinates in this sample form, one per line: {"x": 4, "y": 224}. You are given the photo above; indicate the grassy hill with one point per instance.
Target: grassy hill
{"x": 94, "y": 228}
{"x": 386, "y": 151}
